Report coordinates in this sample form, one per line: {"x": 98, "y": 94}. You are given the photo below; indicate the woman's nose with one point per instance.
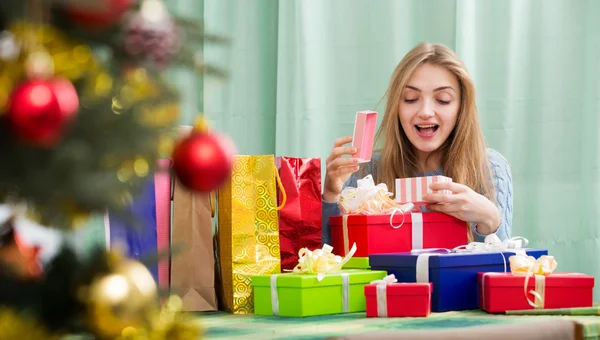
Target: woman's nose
{"x": 426, "y": 110}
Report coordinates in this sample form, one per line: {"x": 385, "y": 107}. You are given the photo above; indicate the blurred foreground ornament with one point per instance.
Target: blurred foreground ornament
{"x": 124, "y": 298}
{"x": 19, "y": 325}
{"x": 22, "y": 258}
{"x": 9, "y": 47}
{"x": 40, "y": 110}
{"x": 151, "y": 34}
{"x": 123, "y": 304}
{"x": 106, "y": 14}
{"x": 203, "y": 160}
{"x": 169, "y": 324}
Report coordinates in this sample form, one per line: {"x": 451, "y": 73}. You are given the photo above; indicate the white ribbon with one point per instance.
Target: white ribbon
{"x": 401, "y": 209}
{"x": 422, "y": 267}
{"x": 491, "y": 244}
{"x": 417, "y": 230}
{"x": 381, "y": 290}
{"x": 274, "y": 295}
{"x": 345, "y": 292}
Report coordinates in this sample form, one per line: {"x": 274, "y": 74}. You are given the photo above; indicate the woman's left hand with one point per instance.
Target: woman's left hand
{"x": 464, "y": 204}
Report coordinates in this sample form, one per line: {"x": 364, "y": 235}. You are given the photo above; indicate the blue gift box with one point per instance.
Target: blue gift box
{"x": 453, "y": 275}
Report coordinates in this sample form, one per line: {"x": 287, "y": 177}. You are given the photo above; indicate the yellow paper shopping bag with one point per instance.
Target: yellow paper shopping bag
{"x": 248, "y": 230}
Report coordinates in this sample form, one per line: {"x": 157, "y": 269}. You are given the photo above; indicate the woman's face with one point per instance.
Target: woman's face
{"x": 429, "y": 107}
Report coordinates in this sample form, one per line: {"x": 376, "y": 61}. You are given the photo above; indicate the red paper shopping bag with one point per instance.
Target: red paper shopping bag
{"x": 300, "y": 218}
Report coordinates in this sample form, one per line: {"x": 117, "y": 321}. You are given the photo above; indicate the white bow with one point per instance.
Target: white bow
{"x": 386, "y": 280}
{"x": 492, "y": 243}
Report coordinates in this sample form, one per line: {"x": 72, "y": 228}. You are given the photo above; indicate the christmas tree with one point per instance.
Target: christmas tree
{"x": 85, "y": 114}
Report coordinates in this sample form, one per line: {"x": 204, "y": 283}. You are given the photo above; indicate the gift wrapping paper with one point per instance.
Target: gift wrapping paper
{"x": 300, "y": 217}
{"x": 248, "y": 232}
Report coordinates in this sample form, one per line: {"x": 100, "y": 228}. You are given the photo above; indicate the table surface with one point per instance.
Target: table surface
{"x": 221, "y": 325}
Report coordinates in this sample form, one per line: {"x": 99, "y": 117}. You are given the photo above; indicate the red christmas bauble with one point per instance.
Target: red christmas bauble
{"x": 40, "y": 109}
{"x": 104, "y": 14}
{"x": 203, "y": 160}
{"x": 66, "y": 95}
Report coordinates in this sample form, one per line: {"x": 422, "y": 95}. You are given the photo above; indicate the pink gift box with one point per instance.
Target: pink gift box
{"x": 412, "y": 189}
{"x": 364, "y": 132}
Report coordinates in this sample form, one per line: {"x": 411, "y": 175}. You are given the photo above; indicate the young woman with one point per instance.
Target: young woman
{"x": 430, "y": 127}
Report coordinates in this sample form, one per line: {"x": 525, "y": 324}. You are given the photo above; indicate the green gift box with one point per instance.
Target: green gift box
{"x": 302, "y": 295}
{"x": 358, "y": 263}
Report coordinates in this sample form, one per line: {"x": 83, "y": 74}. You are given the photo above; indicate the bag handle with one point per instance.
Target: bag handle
{"x": 211, "y": 199}
{"x": 284, "y": 196}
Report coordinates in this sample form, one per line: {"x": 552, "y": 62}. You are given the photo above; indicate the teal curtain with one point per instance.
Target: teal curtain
{"x": 300, "y": 69}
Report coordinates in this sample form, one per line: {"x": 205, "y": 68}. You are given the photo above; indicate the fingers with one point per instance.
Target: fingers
{"x": 347, "y": 170}
{"x": 452, "y": 186}
{"x": 445, "y": 208}
{"x": 338, "y": 162}
{"x": 440, "y": 198}
{"x": 341, "y": 141}
{"x": 340, "y": 151}
{"x": 342, "y": 166}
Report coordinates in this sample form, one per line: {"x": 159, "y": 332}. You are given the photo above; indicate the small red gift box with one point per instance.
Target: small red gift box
{"x": 499, "y": 292}
{"x": 374, "y": 234}
{"x": 398, "y": 299}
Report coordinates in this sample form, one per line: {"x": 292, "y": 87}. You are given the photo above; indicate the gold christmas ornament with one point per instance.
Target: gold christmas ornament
{"x": 123, "y": 299}
{"x": 14, "y": 325}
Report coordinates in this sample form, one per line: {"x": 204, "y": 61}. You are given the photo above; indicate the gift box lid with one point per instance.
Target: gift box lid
{"x": 552, "y": 280}
{"x": 401, "y": 288}
{"x": 358, "y": 263}
{"x": 355, "y": 276}
{"x": 442, "y": 259}
{"x": 428, "y": 217}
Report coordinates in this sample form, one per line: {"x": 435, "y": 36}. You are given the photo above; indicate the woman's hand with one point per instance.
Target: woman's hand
{"x": 338, "y": 168}
{"x": 465, "y": 204}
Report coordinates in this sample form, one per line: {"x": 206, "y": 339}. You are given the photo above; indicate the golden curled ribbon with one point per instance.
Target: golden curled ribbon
{"x": 321, "y": 261}
{"x": 367, "y": 198}
{"x": 528, "y": 266}
{"x": 370, "y": 199}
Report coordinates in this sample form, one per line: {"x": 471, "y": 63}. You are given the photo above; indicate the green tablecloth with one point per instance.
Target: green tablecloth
{"x": 221, "y": 325}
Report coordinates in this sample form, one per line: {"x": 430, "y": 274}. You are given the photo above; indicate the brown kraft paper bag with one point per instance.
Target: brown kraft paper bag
{"x": 193, "y": 266}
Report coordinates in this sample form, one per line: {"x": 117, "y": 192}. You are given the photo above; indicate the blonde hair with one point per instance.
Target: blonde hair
{"x": 463, "y": 154}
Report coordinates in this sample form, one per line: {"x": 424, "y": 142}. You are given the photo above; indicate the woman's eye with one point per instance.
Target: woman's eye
{"x": 443, "y": 102}
{"x": 410, "y": 100}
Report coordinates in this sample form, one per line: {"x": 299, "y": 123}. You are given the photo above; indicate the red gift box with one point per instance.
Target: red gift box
{"x": 499, "y": 292}
{"x": 300, "y": 217}
{"x": 398, "y": 299}
{"x": 373, "y": 234}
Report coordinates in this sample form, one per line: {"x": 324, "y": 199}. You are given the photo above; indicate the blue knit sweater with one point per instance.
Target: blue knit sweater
{"x": 502, "y": 180}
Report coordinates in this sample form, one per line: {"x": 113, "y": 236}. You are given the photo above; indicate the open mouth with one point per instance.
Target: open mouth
{"x": 427, "y": 130}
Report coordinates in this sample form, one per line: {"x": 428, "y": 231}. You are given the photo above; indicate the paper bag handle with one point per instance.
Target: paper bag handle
{"x": 283, "y": 195}
{"x": 211, "y": 200}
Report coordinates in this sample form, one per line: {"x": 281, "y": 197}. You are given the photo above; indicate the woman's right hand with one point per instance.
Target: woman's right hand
{"x": 339, "y": 168}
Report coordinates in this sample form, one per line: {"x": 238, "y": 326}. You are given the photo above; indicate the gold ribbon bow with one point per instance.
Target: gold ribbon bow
{"x": 321, "y": 261}
{"x": 368, "y": 198}
{"x": 528, "y": 266}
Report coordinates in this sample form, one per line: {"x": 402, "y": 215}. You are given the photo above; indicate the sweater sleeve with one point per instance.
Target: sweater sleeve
{"x": 504, "y": 195}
